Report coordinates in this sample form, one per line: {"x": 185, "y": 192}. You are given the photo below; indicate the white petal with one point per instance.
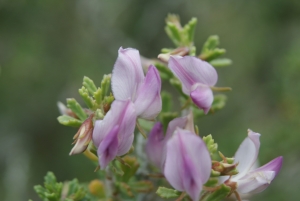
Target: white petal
{"x": 247, "y": 153}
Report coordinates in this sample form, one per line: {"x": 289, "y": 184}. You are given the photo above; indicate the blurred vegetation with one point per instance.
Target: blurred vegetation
{"x": 46, "y": 47}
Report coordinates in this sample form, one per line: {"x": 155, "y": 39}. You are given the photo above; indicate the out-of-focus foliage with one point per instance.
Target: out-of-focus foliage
{"x": 46, "y": 47}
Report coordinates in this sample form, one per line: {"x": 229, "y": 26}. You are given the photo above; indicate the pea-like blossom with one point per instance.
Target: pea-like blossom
{"x": 113, "y": 136}
{"x": 197, "y": 78}
{"x": 251, "y": 180}
{"x": 188, "y": 163}
{"x": 129, "y": 82}
{"x": 156, "y": 144}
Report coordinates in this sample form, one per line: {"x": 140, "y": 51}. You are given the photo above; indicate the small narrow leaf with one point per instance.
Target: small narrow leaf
{"x": 220, "y": 62}
{"x": 86, "y": 98}
{"x": 141, "y": 186}
{"x": 167, "y": 193}
{"x": 211, "y": 43}
{"x": 105, "y": 85}
{"x": 189, "y": 30}
{"x": 69, "y": 121}
{"x": 98, "y": 96}
{"x": 76, "y": 108}
{"x": 89, "y": 84}
{"x": 173, "y": 33}
{"x": 219, "y": 194}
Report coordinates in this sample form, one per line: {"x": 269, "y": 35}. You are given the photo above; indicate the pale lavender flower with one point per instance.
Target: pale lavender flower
{"x": 253, "y": 180}
{"x": 197, "y": 78}
{"x": 113, "y": 136}
{"x": 188, "y": 163}
{"x": 156, "y": 144}
{"x": 129, "y": 82}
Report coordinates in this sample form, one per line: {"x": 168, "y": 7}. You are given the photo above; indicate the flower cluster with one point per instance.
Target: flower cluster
{"x": 174, "y": 149}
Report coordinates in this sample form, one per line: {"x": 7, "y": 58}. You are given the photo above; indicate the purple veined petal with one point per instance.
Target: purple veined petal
{"x": 179, "y": 122}
{"x": 202, "y": 96}
{"x": 246, "y": 154}
{"x": 127, "y": 74}
{"x": 188, "y": 163}
{"x": 255, "y": 182}
{"x": 190, "y": 70}
{"x": 274, "y": 165}
{"x": 155, "y": 145}
{"x": 122, "y": 113}
{"x": 148, "y": 101}
{"x": 108, "y": 148}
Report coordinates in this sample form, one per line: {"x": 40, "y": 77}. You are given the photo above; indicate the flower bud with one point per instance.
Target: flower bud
{"x": 83, "y": 136}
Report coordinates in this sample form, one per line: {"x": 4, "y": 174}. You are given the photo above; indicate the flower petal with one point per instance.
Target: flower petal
{"x": 127, "y": 74}
{"x": 188, "y": 163}
{"x": 246, "y": 154}
{"x": 190, "y": 70}
{"x": 122, "y": 113}
{"x": 255, "y": 182}
{"x": 155, "y": 144}
{"x": 108, "y": 148}
{"x": 203, "y": 97}
{"x": 274, "y": 165}
{"x": 148, "y": 101}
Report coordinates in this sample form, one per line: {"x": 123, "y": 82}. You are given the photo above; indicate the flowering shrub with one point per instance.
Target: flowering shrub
{"x": 119, "y": 126}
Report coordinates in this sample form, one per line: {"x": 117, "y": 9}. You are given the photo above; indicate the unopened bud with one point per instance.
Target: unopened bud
{"x": 224, "y": 168}
{"x": 83, "y": 136}
{"x": 181, "y": 51}
{"x": 96, "y": 187}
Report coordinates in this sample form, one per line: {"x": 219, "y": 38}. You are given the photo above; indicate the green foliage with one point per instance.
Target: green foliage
{"x": 129, "y": 169}
{"x": 105, "y": 85}
{"x": 167, "y": 193}
{"x": 166, "y": 117}
{"x": 69, "y": 121}
{"x": 219, "y": 194}
{"x": 212, "y": 182}
{"x": 76, "y": 108}
{"x": 180, "y": 36}
{"x": 51, "y": 190}
{"x": 89, "y": 85}
{"x": 76, "y": 192}
{"x": 210, "y": 50}
{"x": 211, "y": 145}
{"x": 222, "y": 62}
{"x": 165, "y": 72}
{"x": 218, "y": 104}
{"x": 166, "y": 101}
{"x": 84, "y": 93}
{"x": 144, "y": 186}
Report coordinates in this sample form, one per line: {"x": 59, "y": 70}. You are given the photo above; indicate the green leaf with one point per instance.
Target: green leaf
{"x": 219, "y": 194}
{"x": 189, "y": 30}
{"x": 173, "y": 32}
{"x": 165, "y": 72}
{"x": 166, "y": 117}
{"x": 89, "y": 85}
{"x": 86, "y": 98}
{"x": 220, "y": 62}
{"x": 141, "y": 186}
{"x": 76, "y": 192}
{"x": 211, "y": 43}
{"x": 167, "y": 193}
{"x": 128, "y": 171}
{"x": 98, "y": 96}
{"x": 69, "y": 121}
{"x": 219, "y": 102}
{"x": 105, "y": 85}
{"x": 211, "y": 145}
{"x": 76, "y": 108}
{"x": 212, "y": 182}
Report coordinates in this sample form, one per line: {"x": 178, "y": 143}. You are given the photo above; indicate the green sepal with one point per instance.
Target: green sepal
{"x": 51, "y": 190}
{"x": 219, "y": 194}
{"x": 98, "y": 96}
{"x": 210, "y": 144}
{"x": 221, "y": 62}
{"x": 86, "y": 98}
{"x": 89, "y": 85}
{"x": 167, "y": 193}
{"x": 164, "y": 71}
{"x": 105, "y": 85}
{"x": 212, "y": 182}
{"x": 69, "y": 121}
{"x": 144, "y": 186}
{"x": 116, "y": 169}
{"x": 76, "y": 108}
{"x": 99, "y": 114}
{"x": 230, "y": 160}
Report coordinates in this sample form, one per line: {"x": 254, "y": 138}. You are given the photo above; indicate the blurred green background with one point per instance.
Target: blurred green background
{"x": 46, "y": 47}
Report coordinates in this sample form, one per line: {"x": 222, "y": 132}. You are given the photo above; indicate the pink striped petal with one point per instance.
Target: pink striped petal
{"x": 148, "y": 101}
{"x": 191, "y": 70}
{"x": 108, "y": 148}
{"x": 203, "y": 97}
{"x": 188, "y": 163}
{"x": 127, "y": 74}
